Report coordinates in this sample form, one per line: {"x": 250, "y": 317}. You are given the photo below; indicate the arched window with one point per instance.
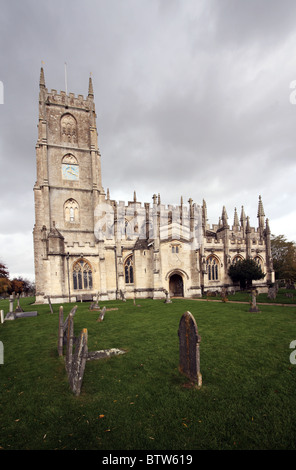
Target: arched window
{"x": 82, "y": 275}
{"x": 68, "y": 128}
{"x": 70, "y": 168}
{"x": 129, "y": 270}
{"x": 237, "y": 258}
{"x": 259, "y": 261}
{"x": 71, "y": 211}
{"x": 213, "y": 268}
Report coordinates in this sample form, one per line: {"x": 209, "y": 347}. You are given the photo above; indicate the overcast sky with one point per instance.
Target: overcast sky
{"x": 192, "y": 97}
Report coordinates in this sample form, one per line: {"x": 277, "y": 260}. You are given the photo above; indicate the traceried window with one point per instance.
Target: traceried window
{"x": 259, "y": 261}
{"x": 68, "y": 129}
{"x": 129, "y": 270}
{"x": 70, "y": 168}
{"x": 71, "y": 211}
{"x": 213, "y": 268}
{"x": 82, "y": 275}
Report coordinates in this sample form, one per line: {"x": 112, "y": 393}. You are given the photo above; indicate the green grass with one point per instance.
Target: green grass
{"x": 138, "y": 400}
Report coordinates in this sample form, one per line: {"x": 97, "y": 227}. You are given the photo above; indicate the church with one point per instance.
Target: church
{"x": 88, "y": 246}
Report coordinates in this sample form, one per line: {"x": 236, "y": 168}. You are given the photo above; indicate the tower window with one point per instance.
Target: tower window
{"x": 129, "y": 270}
{"x": 71, "y": 211}
{"x": 82, "y": 275}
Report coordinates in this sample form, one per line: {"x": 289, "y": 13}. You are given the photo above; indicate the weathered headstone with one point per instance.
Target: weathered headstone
{"x": 122, "y": 295}
{"x": 254, "y": 307}
{"x": 78, "y": 362}
{"x": 61, "y": 331}
{"x": 18, "y": 308}
{"x": 102, "y": 314}
{"x": 167, "y": 297}
{"x": 49, "y": 303}
{"x": 11, "y": 301}
{"x": 189, "y": 356}
{"x": 70, "y": 342}
{"x": 2, "y": 316}
{"x": 272, "y": 292}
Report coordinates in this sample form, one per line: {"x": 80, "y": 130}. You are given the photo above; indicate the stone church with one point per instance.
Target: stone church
{"x": 88, "y": 246}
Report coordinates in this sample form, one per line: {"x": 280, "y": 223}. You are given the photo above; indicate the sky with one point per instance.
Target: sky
{"x": 194, "y": 98}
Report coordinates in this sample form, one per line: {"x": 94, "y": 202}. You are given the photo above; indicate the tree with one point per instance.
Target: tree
{"x": 245, "y": 271}
{"x": 284, "y": 257}
{"x": 5, "y": 286}
{"x": 3, "y": 271}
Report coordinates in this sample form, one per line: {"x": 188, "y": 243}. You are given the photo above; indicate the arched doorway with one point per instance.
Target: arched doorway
{"x": 176, "y": 286}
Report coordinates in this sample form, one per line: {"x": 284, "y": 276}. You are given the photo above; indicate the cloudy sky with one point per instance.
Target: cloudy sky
{"x": 193, "y": 99}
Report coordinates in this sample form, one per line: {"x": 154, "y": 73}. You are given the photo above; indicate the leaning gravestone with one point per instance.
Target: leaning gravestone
{"x": 76, "y": 372}
{"x": 102, "y": 314}
{"x": 189, "y": 356}
{"x": 49, "y": 303}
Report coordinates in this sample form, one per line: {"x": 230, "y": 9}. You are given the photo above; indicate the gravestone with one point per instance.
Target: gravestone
{"x": 122, "y": 296}
{"x": 18, "y": 308}
{"x": 11, "y": 301}
{"x": 49, "y": 303}
{"x": 70, "y": 342}
{"x": 2, "y": 316}
{"x": 78, "y": 363}
{"x": 254, "y": 307}
{"x": 61, "y": 331}
{"x": 167, "y": 297}
{"x": 102, "y": 314}
{"x": 189, "y": 356}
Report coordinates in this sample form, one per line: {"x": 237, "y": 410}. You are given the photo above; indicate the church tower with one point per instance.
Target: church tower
{"x": 67, "y": 189}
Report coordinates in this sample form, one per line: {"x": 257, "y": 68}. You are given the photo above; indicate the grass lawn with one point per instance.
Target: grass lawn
{"x": 140, "y": 400}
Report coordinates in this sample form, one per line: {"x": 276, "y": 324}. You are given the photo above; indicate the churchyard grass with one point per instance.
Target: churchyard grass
{"x": 140, "y": 400}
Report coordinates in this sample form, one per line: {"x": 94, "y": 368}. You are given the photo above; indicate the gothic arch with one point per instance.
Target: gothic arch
{"x": 213, "y": 267}
{"x": 176, "y": 271}
{"x": 259, "y": 260}
{"x": 237, "y": 258}
{"x": 82, "y": 274}
{"x": 128, "y": 267}
{"x": 71, "y": 211}
{"x": 68, "y": 129}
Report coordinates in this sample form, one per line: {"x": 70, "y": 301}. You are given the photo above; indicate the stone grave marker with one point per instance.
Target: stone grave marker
{"x": 254, "y": 307}
{"x": 2, "y": 316}
{"x": 102, "y": 314}
{"x": 18, "y": 308}
{"x": 49, "y": 303}
{"x": 122, "y": 295}
{"x": 189, "y": 355}
{"x": 167, "y": 297}
{"x": 80, "y": 355}
{"x": 61, "y": 331}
